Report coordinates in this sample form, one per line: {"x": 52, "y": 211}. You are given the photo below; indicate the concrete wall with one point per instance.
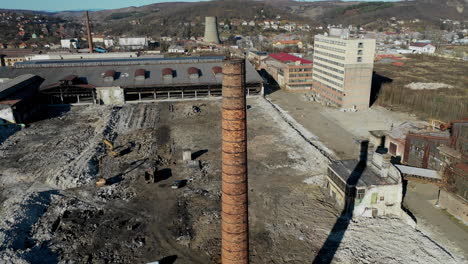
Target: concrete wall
{"x": 357, "y": 89}
{"x": 455, "y": 205}
{"x": 110, "y": 95}
{"x": 392, "y": 196}
{"x": 6, "y": 116}
{"x": 400, "y": 150}
{"x": 390, "y": 205}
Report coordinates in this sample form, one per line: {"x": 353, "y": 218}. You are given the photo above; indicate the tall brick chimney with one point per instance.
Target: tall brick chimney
{"x": 90, "y": 36}
{"x": 234, "y": 215}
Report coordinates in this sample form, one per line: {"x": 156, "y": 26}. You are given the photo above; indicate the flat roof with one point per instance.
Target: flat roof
{"x": 355, "y": 173}
{"x": 419, "y": 172}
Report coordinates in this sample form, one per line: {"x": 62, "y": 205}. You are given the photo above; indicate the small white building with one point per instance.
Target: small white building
{"x": 176, "y": 49}
{"x": 108, "y": 43}
{"x": 133, "y": 43}
{"x": 366, "y": 188}
{"x": 70, "y": 43}
{"x": 421, "y": 48}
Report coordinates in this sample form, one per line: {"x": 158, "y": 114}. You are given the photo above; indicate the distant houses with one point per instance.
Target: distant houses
{"x": 422, "y": 48}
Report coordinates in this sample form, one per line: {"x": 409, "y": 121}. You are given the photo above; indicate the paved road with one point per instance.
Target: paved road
{"x": 308, "y": 114}
{"x": 446, "y": 230}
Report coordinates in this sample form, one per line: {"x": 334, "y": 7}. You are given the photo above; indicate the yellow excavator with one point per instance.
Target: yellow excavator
{"x": 110, "y": 148}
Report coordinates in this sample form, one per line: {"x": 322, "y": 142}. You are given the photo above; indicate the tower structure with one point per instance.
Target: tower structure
{"x": 234, "y": 198}
{"x": 90, "y": 36}
{"x": 211, "y": 30}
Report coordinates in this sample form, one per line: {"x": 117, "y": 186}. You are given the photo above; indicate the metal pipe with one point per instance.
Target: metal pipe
{"x": 234, "y": 215}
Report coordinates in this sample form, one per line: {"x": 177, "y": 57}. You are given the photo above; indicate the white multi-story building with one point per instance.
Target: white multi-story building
{"x": 343, "y": 68}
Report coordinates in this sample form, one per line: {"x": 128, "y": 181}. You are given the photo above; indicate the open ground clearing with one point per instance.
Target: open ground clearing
{"x": 52, "y": 212}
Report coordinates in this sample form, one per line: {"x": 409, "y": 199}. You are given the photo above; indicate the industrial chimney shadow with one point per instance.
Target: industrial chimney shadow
{"x": 168, "y": 260}
{"x": 333, "y": 241}
{"x": 197, "y": 154}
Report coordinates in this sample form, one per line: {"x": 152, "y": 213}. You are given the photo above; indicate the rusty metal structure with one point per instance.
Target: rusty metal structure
{"x": 235, "y": 227}
{"x": 88, "y": 29}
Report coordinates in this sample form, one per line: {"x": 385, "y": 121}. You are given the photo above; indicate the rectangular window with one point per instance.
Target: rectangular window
{"x": 393, "y": 149}
{"x": 359, "y": 59}
{"x": 359, "y": 52}
{"x": 360, "y": 193}
{"x": 374, "y": 198}
{"x": 361, "y": 45}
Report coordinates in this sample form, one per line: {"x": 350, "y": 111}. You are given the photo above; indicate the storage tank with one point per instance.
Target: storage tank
{"x": 211, "y": 30}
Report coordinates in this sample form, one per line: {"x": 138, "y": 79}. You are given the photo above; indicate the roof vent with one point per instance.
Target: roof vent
{"x": 217, "y": 71}
{"x": 109, "y": 76}
{"x": 167, "y": 73}
{"x": 68, "y": 80}
{"x": 194, "y": 73}
{"x": 140, "y": 74}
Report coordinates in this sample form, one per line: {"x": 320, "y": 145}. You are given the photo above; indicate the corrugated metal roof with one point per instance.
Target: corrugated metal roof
{"x": 348, "y": 169}
{"x": 125, "y": 74}
{"x": 419, "y": 172}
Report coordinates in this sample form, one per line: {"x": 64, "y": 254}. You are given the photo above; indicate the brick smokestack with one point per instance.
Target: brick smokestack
{"x": 90, "y": 37}
{"x": 234, "y": 215}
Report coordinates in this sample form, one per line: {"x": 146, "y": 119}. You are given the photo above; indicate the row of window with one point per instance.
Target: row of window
{"x": 332, "y": 88}
{"x": 328, "y": 61}
{"x": 329, "y": 55}
{"x": 300, "y": 75}
{"x": 336, "y": 179}
{"x": 328, "y": 80}
{"x": 330, "y": 48}
{"x": 339, "y": 98}
{"x": 329, "y": 74}
{"x": 299, "y": 86}
{"x": 300, "y": 80}
{"x": 328, "y": 67}
{"x": 300, "y": 69}
{"x": 329, "y": 41}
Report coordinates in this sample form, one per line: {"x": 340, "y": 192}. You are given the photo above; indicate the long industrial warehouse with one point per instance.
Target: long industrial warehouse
{"x": 118, "y": 81}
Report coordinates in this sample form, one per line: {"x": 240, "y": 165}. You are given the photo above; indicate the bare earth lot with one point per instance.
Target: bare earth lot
{"x": 52, "y": 212}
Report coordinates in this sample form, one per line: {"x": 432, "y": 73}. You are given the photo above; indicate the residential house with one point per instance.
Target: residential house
{"x": 422, "y": 48}
{"x": 281, "y": 44}
{"x": 176, "y": 49}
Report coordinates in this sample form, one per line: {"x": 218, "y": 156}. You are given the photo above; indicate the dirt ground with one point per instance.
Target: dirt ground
{"x": 52, "y": 212}
{"x": 341, "y": 130}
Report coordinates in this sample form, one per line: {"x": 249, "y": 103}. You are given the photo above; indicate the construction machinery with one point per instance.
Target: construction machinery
{"x": 110, "y": 148}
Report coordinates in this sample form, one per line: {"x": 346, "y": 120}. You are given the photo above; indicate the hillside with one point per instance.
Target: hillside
{"x": 169, "y": 18}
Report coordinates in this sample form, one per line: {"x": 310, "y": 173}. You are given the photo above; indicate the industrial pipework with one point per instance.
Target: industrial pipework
{"x": 234, "y": 211}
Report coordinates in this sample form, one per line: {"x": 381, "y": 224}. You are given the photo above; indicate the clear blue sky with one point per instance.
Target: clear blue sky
{"x": 57, "y": 5}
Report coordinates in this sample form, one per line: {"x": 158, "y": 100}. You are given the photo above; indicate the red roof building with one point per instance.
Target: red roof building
{"x": 286, "y": 57}
{"x": 289, "y": 71}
